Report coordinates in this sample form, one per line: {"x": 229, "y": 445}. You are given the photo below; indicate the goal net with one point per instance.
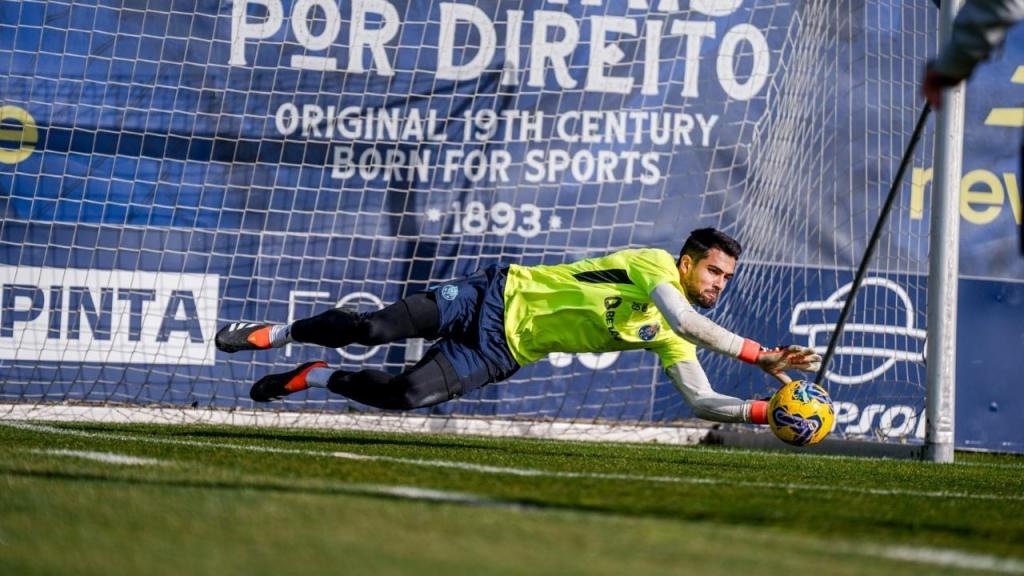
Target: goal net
{"x": 167, "y": 168}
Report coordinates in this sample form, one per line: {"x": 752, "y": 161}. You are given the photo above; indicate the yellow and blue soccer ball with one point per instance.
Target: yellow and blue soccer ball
{"x": 800, "y": 413}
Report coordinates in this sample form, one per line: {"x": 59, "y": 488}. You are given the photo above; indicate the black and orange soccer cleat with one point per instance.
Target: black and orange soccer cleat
{"x": 239, "y": 336}
{"x": 275, "y": 386}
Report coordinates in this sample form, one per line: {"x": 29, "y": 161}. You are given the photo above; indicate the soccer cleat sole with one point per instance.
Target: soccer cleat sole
{"x": 239, "y": 336}
{"x": 275, "y": 386}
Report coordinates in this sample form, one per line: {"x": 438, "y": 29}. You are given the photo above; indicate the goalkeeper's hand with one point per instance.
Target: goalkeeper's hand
{"x": 776, "y": 361}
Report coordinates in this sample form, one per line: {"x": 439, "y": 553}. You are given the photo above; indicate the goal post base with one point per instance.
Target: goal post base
{"x": 689, "y": 433}
{"x": 832, "y": 446}
{"x": 365, "y": 422}
{"x": 939, "y": 453}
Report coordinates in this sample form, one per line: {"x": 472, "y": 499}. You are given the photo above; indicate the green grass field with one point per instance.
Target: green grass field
{"x": 86, "y": 499}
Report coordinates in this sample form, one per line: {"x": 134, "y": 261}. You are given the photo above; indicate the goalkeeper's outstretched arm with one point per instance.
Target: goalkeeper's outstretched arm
{"x": 690, "y": 379}
{"x": 692, "y": 326}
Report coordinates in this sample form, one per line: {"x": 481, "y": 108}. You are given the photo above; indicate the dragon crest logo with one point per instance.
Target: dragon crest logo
{"x": 450, "y": 292}
{"x": 647, "y": 332}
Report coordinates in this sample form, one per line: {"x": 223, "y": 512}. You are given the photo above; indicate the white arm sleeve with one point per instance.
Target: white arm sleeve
{"x": 690, "y": 379}
{"x": 691, "y": 326}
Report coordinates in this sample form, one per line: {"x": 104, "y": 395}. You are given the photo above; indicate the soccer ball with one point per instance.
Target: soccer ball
{"x": 800, "y": 413}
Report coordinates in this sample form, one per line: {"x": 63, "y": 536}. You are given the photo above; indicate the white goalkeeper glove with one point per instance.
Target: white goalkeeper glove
{"x": 776, "y": 361}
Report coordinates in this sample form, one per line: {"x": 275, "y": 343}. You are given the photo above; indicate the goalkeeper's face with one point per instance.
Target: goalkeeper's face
{"x": 705, "y": 279}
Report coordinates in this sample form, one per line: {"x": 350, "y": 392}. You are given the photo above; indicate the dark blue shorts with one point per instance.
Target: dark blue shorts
{"x": 473, "y": 327}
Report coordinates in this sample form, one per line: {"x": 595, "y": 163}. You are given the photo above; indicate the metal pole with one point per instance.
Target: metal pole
{"x": 869, "y": 252}
{"x": 943, "y": 262}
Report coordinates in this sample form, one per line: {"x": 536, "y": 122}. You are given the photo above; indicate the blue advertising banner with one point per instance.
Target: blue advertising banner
{"x": 170, "y": 166}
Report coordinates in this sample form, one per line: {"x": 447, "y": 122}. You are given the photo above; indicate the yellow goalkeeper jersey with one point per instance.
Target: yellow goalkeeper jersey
{"x": 595, "y": 305}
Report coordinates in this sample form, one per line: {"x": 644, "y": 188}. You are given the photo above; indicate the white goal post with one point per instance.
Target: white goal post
{"x": 944, "y": 262}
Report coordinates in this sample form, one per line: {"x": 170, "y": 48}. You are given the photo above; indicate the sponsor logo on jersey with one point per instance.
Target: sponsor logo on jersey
{"x": 610, "y": 304}
{"x": 449, "y": 292}
{"x": 647, "y": 332}
{"x": 109, "y": 316}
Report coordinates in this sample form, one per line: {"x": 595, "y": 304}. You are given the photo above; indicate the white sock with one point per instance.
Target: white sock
{"x": 319, "y": 377}
{"x": 280, "y": 335}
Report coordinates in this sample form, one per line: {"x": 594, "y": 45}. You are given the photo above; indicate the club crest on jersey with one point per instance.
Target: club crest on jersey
{"x": 449, "y": 292}
{"x": 647, "y": 332}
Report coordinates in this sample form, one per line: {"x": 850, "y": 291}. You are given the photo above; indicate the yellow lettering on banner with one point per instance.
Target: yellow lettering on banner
{"x": 1005, "y": 117}
{"x": 982, "y": 195}
{"x": 991, "y": 196}
{"x": 25, "y": 139}
{"x": 1013, "y": 192}
{"x": 919, "y": 178}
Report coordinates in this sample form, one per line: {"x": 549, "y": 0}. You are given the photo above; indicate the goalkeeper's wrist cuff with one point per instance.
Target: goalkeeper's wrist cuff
{"x": 759, "y": 411}
{"x": 749, "y": 351}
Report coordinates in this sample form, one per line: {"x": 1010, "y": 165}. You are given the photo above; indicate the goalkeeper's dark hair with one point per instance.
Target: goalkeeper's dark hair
{"x": 703, "y": 240}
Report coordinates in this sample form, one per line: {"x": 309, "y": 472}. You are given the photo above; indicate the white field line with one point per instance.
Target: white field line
{"x": 416, "y": 493}
{"x": 404, "y": 492}
{"x": 988, "y": 465}
{"x": 920, "y": 555}
{"x": 105, "y": 457}
{"x": 944, "y": 557}
{"x": 783, "y": 454}
{"x": 644, "y": 437}
{"x": 511, "y": 471}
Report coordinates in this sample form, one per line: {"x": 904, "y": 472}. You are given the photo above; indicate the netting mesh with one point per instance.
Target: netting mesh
{"x": 813, "y": 196}
{"x": 181, "y": 165}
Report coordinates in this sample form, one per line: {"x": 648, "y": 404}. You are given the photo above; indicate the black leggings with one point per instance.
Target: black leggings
{"x": 431, "y": 381}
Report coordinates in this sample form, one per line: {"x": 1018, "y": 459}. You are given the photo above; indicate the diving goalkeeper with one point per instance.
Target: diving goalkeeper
{"x": 500, "y": 318}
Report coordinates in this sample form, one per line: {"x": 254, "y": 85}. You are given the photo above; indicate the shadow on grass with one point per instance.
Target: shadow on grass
{"x": 515, "y": 446}
{"x": 342, "y": 439}
{"x": 379, "y": 491}
{"x": 586, "y": 453}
